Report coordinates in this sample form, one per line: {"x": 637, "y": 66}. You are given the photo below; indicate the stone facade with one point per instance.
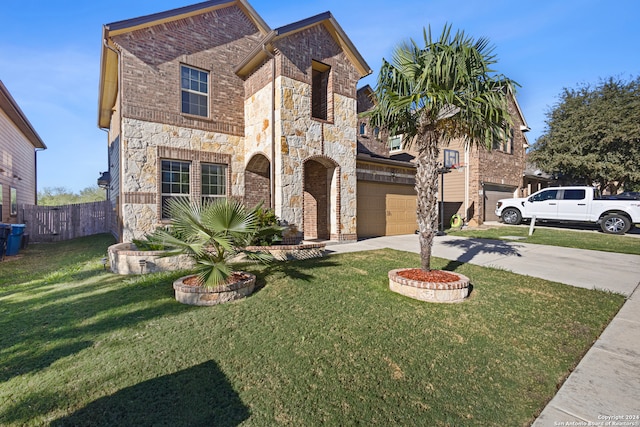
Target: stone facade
{"x": 259, "y": 122}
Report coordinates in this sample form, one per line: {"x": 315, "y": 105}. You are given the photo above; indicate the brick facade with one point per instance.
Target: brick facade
{"x": 259, "y": 115}
{"x": 151, "y": 59}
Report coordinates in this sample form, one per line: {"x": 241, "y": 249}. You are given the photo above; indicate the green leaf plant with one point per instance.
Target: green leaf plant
{"x": 215, "y": 235}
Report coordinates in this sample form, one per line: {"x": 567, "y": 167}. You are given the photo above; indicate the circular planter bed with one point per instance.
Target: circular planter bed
{"x": 431, "y": 286}
{"x": 188, "y": 291}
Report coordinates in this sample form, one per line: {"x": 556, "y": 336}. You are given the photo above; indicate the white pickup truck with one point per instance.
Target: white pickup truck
{"x": 572, "y": 204}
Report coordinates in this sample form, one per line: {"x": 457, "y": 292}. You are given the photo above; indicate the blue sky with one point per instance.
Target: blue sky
{"x": 50, "y": 55}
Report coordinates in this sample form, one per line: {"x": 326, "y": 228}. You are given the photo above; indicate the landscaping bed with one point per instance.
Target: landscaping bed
{"x": 320, "y": 341}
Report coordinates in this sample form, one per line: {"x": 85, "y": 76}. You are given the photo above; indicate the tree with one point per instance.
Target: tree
{"x": 436, "y": 93}
{"x": 60, "y": 196}
{"x": 592, "y": 136}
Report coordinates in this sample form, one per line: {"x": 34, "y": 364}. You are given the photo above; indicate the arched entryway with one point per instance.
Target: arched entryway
{"x": 257, "y": 181}
{"x": 321, "y": 194}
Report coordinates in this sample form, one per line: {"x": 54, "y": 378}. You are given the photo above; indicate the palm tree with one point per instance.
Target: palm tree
{"x": 436, "y": 93}
{"x": 213, "y": 235}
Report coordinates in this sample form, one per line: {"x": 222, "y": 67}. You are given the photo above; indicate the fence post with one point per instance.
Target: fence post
{"x": 533, "y": 224}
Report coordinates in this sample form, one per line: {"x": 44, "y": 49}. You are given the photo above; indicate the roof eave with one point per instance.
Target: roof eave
{"x": 146, "y": 21}
{"x": 17, "y": 116}
{"x": 108, "y": 84}
{"x": 336, "y": 32}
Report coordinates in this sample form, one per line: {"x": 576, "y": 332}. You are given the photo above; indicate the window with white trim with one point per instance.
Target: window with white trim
{"x": 213, "y": 182}
{"x": 395, "y": 142}
{"x": 175, "y": 182}
{"x": 194, "y": 86}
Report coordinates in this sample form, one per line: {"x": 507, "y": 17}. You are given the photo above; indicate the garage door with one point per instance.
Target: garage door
{"x": 386, "y": 209}
{"x": 491, "y": 196}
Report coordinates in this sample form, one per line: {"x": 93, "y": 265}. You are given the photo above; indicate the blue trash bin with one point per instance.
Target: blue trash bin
{"x": 5, "y": 230}
{"x": 15, "y": 239}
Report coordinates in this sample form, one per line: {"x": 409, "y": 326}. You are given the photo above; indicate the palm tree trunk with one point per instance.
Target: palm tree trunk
{"x": 427, "y": 190}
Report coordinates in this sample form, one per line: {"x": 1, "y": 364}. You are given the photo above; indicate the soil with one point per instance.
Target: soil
{"x": 235, "y": 277}
{"x": 434, "y": 276}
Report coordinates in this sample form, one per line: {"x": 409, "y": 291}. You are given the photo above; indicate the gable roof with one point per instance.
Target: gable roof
{"x": 11, "y": 109}
{"x": 258, "y": 55}
{"x": 108, "y": 86}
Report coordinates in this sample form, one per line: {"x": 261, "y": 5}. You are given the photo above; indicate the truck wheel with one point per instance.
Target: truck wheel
{"x": 511, "y": 216}
{"x": 615, "y": 224}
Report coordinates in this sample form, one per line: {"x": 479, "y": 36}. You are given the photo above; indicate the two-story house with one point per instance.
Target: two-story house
{"x": 208, "y": 101}
{"x": 19, "y": 143}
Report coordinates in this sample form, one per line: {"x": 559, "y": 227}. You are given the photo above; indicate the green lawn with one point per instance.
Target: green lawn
{"x": 557, "y": 237}
{"x": 320, "y": 342}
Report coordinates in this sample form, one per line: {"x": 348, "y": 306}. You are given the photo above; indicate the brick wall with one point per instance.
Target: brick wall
{"x": 315, "y": 201}
{"x": 496, "y": 167}
{"x": 299, "y": 49}
{"x": 151, "y": 60}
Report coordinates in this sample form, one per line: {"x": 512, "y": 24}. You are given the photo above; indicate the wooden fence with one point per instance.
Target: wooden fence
{"x": 56, "y": 223}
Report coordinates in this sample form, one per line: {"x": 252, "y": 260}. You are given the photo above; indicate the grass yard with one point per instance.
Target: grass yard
{"x": 557, "y": 237}
{"x": 321, "y": 342}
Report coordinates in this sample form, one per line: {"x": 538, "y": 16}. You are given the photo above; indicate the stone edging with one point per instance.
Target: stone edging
{"x": 199, "y": 295}
{"x": 440, "y": 292}
{"x": 463, "y": 281}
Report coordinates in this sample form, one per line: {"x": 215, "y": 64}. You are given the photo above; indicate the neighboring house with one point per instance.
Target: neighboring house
{"x": 535, "y": 179}
{"x": 19, "y": 143}
{"x": 386, "y": 169}
{"x": 208, "y": 101}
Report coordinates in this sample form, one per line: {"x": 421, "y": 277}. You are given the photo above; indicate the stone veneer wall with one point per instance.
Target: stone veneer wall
{"x": 142, "y": 142}
{"x": 301, "y": 138}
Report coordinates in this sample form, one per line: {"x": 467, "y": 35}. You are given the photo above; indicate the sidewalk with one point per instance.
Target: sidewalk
{"x": 606, "y": 383}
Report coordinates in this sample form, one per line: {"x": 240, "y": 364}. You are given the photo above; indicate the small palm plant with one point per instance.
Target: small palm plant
{"x": 214, "y": 235}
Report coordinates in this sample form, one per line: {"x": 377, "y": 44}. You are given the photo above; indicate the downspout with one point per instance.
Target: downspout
{"x": 272, "y": 169}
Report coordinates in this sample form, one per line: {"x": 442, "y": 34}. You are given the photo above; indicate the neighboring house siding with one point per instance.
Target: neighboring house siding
{"x": 17, "y": 167}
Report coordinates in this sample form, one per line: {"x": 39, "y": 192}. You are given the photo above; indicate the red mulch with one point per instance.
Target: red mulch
{"x": 195, "y": 280}
{"x": 434, "y": 276}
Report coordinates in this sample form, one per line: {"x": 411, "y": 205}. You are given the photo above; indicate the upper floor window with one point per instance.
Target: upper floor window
{"x": 175, "y": 182}
{"x": 320, "y": 90}
{"x": 213, "y": 182}
{"x": 194, "y": 86}
{"x": 395, "y": 142}
{"x": 376, "y": 131}
{"x": 504, "y": 142}
{"x": 363, "y": 128}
